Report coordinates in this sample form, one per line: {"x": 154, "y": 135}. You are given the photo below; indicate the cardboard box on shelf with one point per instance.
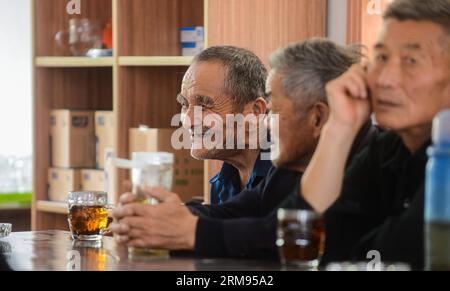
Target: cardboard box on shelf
{"x": 187, "y": 172}
{"x": 93, "y": 180}
{"x": 61, "y": 182}
{"x": 72, "y": 139}
{"x": 104, "y": 136}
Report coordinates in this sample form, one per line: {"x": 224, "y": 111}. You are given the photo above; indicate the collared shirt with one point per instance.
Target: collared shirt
{"x": 227, "y": 183}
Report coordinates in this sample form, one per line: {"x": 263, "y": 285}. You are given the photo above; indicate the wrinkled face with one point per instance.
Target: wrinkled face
{"x": 409, "y": 78}
{"x": 293, "y": 139}
{"x": 204, "y": 110}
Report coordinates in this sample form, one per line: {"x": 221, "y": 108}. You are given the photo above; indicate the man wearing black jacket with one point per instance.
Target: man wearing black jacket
{"x": 378, "y": 203}
{"x": 245, "y": 225}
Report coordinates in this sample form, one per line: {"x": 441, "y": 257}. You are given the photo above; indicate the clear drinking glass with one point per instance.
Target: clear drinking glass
{"x": 88, "y": 215}
{"x": 301, "y": 238}
{"x": 80, "y": 36}
{"x": 151, "y": 169}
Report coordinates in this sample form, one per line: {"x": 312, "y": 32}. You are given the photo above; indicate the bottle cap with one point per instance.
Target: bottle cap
{"x": 441, "y": 128}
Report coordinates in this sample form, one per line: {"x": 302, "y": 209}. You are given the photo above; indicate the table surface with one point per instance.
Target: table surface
{"x": 55, "y": 251}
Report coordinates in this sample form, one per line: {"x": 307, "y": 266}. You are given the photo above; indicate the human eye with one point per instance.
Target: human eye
{"x": 381, "y": 57}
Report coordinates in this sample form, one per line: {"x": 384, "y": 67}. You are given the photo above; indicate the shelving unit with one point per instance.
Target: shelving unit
{"x": 141, "y": 80}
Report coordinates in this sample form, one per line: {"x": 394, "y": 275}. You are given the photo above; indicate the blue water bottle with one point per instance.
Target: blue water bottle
{"x": 437, "y": 197}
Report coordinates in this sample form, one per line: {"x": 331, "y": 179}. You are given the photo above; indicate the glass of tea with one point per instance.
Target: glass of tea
{"x": 88, "y": 215}
{"x": 300, "y": 238}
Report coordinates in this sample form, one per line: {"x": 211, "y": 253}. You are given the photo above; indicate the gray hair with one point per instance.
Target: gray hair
{"x": 246, "y": 75}
{"x": 436, "y": 11}
{"x": 306, "y": 67}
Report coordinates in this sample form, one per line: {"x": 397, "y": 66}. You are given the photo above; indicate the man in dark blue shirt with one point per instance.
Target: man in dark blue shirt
{"x": 227, "y": 183}
{"x": 226, "y": 81}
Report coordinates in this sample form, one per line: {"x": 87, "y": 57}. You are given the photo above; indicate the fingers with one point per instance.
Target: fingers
{"x": 121, "y": 239}
{"x": 359, "y": 86}
{"x": 163, "y": 195}
{"x": 127, "y": 186}
{"x": 137, "y": 223}
{"x": 119, "y": 228}
{"x": 128, "y": 230}
{"x": 127, "y": 198}
{"x": 356, "y": 81}
{"x": 352, "y": 84}
{"x": 134, "y": 209}
{"x": 138, "y": 243}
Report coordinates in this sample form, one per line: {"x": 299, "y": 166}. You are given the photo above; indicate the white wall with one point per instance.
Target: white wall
{"x": 337, "y": 21}
{"x": 15, "y": 77}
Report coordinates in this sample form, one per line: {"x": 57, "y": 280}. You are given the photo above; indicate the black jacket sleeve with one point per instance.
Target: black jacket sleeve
{"x": 245, "y": 204}
{"x": 245, "y": 238}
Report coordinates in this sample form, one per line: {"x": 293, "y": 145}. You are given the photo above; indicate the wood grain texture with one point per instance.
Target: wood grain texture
{"x": 354, "y": 21}
{"x": 364, "y": 27}
{"x": 264, "y": 25}
{"x": 51, "y": 16}
{"x": 151, "y": 27}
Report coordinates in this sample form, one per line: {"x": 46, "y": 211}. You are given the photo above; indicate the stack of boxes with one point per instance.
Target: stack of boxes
{"x": 80, "y": 141}
{"x": 192, "y": 40}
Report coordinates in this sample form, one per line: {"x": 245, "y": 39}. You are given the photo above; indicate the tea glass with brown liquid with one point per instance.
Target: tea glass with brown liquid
{"x": 88, "y": 215}
{"x": 300, "y": 238}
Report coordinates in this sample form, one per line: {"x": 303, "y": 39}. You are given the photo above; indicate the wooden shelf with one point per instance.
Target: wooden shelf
{"x": 85, "y": 62}
{"x": 52, "y": 207}
{"x": 155, "y": 61}
{"x": 141, "y": 81}
{"x": 73, "y": 62}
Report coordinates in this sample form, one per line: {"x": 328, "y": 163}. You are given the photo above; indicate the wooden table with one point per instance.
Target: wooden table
{"x": 55, "y": 251}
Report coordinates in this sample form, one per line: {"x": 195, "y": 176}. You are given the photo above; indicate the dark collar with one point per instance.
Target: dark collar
{"x": 402, "y": 153}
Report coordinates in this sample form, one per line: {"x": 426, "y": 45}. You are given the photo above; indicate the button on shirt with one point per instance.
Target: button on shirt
{"x": 227, "y": 183}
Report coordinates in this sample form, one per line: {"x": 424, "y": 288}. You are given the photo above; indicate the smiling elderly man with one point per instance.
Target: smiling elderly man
{"x": 225, "y": 80}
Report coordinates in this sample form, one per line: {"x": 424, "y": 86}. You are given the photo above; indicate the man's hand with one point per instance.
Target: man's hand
{"x": 349, "y": 99}
{"x": 168, "y": 225}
